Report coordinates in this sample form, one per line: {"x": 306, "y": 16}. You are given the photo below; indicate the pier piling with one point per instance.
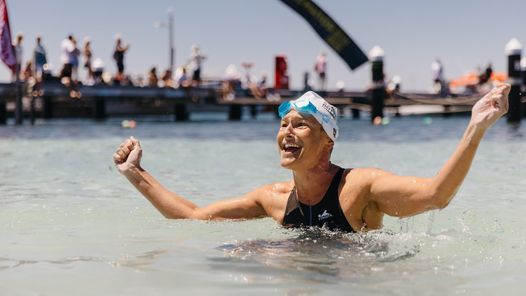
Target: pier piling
{"x": 19, "y": 112}
{"x": 32, "y": 111}
{"x": 47, "y": 107}
{"x": 235, "y": 112}
{"x": 523, "y": 91}
{"x": 513, "y": 50}
{"x": 181, "y": 112}
{"x": 376, "y": 56}
{"x": 99, "y": 108}
{"x": 355, "y": 113}
{"x": 3, "y": 112}
{"x": 254, "y": 111}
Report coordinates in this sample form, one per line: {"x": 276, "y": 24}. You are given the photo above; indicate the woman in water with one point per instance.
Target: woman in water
{"x": 321, "y": 193}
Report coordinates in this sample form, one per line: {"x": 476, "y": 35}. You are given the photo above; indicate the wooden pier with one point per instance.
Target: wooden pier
{"x": 54, "y": 100}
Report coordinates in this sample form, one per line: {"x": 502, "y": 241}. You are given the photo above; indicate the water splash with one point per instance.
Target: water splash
{"x": 320, "y": 252}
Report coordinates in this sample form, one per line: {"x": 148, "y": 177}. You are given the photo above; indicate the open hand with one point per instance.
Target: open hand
{"x": 128, "y": 155}
{"x": 491, "y": 107}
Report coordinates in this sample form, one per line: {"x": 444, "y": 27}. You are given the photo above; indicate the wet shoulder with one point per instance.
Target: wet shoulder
{"x": 354, "y": 198}
{"x": 282, "y": 187}
{"x": 275, "y": 188}
{"x": 358, "y": 180}
{"x": 363, "y": 176}
{"x": 273, "y": 198}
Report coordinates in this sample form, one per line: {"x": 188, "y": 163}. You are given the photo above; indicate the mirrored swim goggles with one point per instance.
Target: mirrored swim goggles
{"x": 312, "y": 104}
{"x": 285, "y": 108}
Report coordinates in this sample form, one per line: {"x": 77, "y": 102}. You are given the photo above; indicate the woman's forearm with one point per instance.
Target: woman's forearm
{"x": 170, "y": 204}
{"x": 484, "y": 114}
{"x": 448, "y": 180}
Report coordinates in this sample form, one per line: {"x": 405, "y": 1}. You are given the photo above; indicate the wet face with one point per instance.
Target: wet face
{"x": 302, "y": 142}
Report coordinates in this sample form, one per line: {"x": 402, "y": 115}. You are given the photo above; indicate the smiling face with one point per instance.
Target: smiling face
{"x": 302, "y": 142}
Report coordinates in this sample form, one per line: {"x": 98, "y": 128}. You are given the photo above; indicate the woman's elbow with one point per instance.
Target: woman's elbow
{"x": 200, "y": 214}
{"x": 441, "y": 200}
{"x": 172, "y": 216}
{"x": 193, "y": 214}
{"x": 442, "y": 195}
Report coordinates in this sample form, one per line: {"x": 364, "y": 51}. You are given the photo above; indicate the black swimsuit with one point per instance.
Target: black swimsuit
{"x": 327, "y": 213}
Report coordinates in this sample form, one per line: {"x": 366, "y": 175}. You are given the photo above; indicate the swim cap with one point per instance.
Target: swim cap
{"x": 313, "y": 104}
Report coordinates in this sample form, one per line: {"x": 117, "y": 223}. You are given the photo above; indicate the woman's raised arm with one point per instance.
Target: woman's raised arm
{"x": 406, "y": 196}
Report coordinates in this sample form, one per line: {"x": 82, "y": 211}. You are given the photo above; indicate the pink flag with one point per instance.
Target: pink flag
{"x": 7, "y": 52}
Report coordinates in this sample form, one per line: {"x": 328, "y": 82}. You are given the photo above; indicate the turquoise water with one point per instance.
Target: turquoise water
{"x": 70, "y": 224}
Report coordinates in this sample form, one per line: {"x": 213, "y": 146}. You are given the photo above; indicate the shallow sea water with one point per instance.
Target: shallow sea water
{"x": 70, "y": 224}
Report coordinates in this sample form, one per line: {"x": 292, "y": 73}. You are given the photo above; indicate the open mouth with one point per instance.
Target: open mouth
{"x": 291, "y": 148}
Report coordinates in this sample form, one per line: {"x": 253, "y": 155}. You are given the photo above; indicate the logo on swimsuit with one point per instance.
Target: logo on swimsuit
{"x": 324, "y": 215}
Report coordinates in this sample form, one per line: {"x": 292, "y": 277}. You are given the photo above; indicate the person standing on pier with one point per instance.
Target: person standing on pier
{"x": 67, "y": 49}
{"x": 153, "y": 80}
{"x": 321, "y": 193}
{"x": 19, "y": 53}
{"x": 485, "y": 76}
{"x": 438, "y": 76}
{"x": 74, "y": 59}
{"x": 167, "y": 79}
{"x": 196, "y": 62}
{"x": 118, "y": 56}
{"x": 87, "y": 55}
{"x": 320, "y": 67}
{"x": 40, "y": 58}
{"x": 181, "y": 78}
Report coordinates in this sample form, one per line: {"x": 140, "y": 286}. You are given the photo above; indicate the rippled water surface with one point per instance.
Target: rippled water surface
{"x": 71, "y": 225}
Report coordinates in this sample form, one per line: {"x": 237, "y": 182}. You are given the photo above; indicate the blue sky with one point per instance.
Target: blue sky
{"x": 463, "y": 34}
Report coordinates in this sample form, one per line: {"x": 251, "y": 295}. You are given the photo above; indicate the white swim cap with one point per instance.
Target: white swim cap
{"x": 313, "y": 104}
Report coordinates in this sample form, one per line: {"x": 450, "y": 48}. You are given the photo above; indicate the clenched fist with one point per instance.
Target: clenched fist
{"x": 128, "y": 155}
{"x": 491, "y": 107}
